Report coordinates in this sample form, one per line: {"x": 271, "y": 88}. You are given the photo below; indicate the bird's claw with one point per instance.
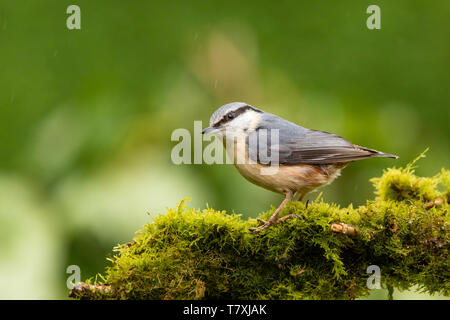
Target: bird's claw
{"x": 268, "y": 223}
{"x": 265, "y": 224}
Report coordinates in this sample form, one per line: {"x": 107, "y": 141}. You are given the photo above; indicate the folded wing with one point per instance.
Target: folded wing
{"x": 298, "y": 145}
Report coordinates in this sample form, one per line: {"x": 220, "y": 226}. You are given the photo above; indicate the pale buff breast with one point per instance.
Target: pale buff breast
{"x": 301, "y": 178}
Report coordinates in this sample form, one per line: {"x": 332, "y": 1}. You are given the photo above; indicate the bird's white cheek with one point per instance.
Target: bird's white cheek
{"x": 233, "y": 132}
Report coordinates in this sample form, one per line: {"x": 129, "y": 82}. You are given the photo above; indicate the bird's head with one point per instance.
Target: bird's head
{"x": 237, "y": 118}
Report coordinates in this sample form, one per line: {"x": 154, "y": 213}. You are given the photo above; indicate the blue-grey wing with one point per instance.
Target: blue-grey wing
{"x": 298, "y": 145}
{"x": 318, "y": 147}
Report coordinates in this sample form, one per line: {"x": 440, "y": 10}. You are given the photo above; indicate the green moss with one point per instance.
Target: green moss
{"x": 402, "y": 184}
{"x": 445, "y": 181}
{"x": 206, "y": 254}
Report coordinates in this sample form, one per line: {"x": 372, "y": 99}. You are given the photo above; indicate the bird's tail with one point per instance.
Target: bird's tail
{"x": 376, "y": 153}
{"x": 385, "y": 155}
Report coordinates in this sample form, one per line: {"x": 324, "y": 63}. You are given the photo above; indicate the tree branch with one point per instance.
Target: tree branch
{"x": 193, "y": 254}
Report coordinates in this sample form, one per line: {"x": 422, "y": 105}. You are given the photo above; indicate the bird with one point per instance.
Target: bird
{"x": 307, "y": 158}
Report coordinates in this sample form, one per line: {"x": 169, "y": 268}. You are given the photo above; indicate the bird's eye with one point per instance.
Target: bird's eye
{"x": 230, "y": 116}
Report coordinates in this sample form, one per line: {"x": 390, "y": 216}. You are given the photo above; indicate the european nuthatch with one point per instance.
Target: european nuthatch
{"x": 307, "y": 159}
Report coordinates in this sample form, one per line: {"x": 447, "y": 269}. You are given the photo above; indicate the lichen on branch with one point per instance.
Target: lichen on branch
{"x": 207, "y": 254}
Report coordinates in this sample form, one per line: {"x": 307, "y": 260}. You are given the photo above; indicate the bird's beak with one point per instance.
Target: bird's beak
{"x": 210, "y": 130}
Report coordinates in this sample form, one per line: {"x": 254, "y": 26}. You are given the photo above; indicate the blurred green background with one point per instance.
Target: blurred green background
{"x": 86, "y": 115}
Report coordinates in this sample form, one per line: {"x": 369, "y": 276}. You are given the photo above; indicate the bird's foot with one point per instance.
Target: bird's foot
{"x": 265, "y": 224}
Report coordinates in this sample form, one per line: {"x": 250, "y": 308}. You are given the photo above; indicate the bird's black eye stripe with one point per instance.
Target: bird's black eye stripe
{"x": 234, "y": 114}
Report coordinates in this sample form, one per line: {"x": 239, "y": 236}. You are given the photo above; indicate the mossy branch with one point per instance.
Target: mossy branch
{"x": 193, "y": 254}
